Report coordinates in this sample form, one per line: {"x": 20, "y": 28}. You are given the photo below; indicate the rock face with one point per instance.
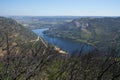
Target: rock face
{"x": 15, "y": 33}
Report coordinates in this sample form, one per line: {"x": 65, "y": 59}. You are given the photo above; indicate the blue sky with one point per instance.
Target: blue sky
{"x": 60, "y": 7}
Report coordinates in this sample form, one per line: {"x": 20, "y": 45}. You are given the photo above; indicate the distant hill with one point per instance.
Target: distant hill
{"x": 36, "y": 22}
{"x": 100, "y": 32}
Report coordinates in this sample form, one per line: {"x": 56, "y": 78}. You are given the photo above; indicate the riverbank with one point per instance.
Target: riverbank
{"x": 60, "y": 50}
{"x": 77, "y": 40}
{"x": 65, "y": 45}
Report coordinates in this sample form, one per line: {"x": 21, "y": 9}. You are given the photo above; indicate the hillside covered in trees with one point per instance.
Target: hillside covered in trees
{"x": 15, "y": 33}
{"x": 21, "y": 56}
{"x": 24, "y": 58}
{"x": 100, "y": 32}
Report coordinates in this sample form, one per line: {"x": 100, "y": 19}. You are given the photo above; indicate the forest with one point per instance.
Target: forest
{"x": 22, "y": 58}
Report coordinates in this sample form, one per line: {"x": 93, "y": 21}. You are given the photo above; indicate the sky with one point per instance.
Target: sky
{"x": 60, "y": 7}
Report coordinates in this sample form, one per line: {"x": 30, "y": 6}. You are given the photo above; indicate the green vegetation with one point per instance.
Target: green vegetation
{"x": 100, "y": 32}
{"x": 26, "y": 60}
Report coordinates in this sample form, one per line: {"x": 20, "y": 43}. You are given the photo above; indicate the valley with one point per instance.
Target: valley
{"x": 71, "y": 46}
{"x": 53, "y": 53}
{"x": 59, "y": 40}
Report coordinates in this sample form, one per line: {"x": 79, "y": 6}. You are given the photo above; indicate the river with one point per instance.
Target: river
{"x": 68, "y": 45}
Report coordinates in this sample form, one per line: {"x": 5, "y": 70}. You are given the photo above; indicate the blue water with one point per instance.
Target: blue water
{"x": 68, "y": 45}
